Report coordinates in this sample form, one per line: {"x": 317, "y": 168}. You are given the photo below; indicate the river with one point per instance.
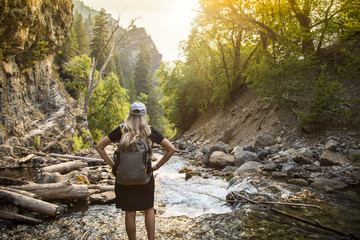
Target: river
{"x": 195, "y": 209}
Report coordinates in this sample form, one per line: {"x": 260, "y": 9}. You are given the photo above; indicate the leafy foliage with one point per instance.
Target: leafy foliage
{"x": 276, "y": 47}
{"x": 76, "y": 75}
{"x": 37, "y": 51}
{"x": 78, "y": 140}
{"x": 326, "y": 103}
{"x": 108, "y": 107}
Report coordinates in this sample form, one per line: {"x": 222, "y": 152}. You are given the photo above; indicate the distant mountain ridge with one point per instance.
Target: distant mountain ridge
{"x": 130, "y": 48}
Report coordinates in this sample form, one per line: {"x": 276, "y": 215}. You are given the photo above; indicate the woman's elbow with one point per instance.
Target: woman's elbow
{"x": 98, "y": 148}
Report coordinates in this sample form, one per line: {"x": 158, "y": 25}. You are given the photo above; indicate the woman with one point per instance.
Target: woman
{"x": 132, "y": 198}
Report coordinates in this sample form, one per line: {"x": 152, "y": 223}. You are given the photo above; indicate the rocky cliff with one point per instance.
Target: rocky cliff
{"x": 35, "y": 109}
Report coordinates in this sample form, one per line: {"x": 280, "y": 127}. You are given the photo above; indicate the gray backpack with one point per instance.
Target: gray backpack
{"x": 133, "y": 168}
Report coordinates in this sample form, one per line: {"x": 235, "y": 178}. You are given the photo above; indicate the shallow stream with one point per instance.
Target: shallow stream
{"x": 194, "y": 209}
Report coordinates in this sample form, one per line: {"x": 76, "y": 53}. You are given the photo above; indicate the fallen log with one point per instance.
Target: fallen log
{"x": 29, "y": 203}
{"x": 27, "y": 158}
{"x": 85, "y": 159}
{"x": 18, "y": 218}
{"x": 63, "y": 190}
{"x": 315, "y": 224}
{"x": 102, "y": 188}
{"x": 65, "y": 167}
{"x": 24, "y": 193}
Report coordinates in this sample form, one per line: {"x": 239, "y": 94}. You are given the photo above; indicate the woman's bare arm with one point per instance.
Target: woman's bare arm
{"x": 100, "y": 147}
{"x": 170, "y": 149}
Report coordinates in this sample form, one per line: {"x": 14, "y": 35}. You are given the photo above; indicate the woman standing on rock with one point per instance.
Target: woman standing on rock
{"x": 132, "y": 198}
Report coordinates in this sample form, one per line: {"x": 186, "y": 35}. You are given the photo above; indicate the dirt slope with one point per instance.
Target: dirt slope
{"x": 242, "y": 119}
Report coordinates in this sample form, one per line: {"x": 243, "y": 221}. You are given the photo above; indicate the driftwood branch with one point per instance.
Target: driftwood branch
{"x": 315, "y": 224}
{"x": 85, "y": 159}
{"x": 29, "y": 203}
{"x": 17, "y": 217}
{"x": 277, "y": 203}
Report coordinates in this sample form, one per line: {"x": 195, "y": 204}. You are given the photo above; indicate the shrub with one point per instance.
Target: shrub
{"x": 326, "y": 104}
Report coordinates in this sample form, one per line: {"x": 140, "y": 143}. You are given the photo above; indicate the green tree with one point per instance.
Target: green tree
{"x": 108, "y": 107}
{"x": 99, "y": 48}
{"x": 83, "y": 40}
{"x": 76, "y": 75}
{"x": 142, "y": 78}
{"x": 68, "y": 50}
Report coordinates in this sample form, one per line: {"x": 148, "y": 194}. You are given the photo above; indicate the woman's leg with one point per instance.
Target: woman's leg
{"x": 130, "y": 224}
{"x": 150, "y": 223}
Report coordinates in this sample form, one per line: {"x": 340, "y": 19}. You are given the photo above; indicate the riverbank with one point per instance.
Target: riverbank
{"x": 192, "y": 209}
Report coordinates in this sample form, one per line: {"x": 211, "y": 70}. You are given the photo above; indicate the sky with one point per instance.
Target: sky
{"x": 167, "y": 21}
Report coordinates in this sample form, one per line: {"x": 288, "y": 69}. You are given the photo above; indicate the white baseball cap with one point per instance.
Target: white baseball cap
{"x": 138, "y": 109}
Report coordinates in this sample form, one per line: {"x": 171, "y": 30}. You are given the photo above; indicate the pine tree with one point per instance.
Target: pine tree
{"x": 118, "y": 68}
{"x": 142, "y": 79}
{"x": 89, "y": 26}
{"x": 83, "y": 40}
{"x": 68, "y": 50}
{"x": 101, "y": 33}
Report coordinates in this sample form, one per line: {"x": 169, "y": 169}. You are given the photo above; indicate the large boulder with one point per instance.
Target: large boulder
{"x": 303, "y": 156}
{"x": 220, "y": 159}
{"x": 249, "y": 167}
{"x": 330, "y": 158}
{"x": 219, "y": 146}
{"x": 264, "y": 140}
{"x": 331, "y": 144}
{"x": 328, "y": 184}
{"x": 242, "y": 157}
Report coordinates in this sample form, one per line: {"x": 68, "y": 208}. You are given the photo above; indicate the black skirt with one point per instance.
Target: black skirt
{"x": 135, "y": 197}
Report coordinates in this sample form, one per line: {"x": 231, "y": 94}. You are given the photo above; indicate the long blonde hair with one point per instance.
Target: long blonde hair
{"x": 135, "y": 129}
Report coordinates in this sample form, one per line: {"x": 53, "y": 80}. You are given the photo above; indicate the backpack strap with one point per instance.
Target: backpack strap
{"x": 146, "y": 153}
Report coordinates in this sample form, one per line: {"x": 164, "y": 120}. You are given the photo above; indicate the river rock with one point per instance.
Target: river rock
{"x": 187, "y": 136}
{"x": 303, "y": 156}
{"x": 330, "y": 158}
{"x": 298, "y": 181}
{"x": 196, "y": 154}
{"x": 183, "y": 145}
{"x": 249, "y": 167}
{"x": 290, "y": 166}
{"x": 331, "y": 144}
{"x": 220, "y": 146}
{"x": 270, "y": 166}
{"x": 220, "y": 159}
{"x": 6, "y": 150}
{"x": 242, "y": 157}
{"x": 261, "y": 153}
{"x": 328, "y": 184}
{"x": 190, "y": 148}
{"x": 278, "y": 175}
{"x": 104, "y": 197}
{"x": 46, "y": 177}
{"x": 94, "y": 176}
{"x": 264, "y": 140}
